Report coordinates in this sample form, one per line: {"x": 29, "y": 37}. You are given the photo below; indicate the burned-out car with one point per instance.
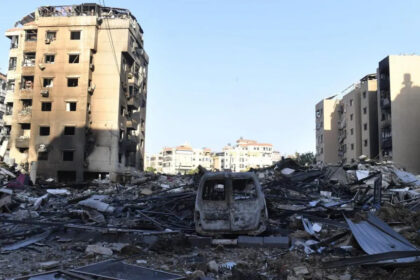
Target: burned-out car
{"x": 230, "y": 203}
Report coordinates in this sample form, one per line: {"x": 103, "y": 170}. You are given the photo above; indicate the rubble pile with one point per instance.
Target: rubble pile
{"x": 331, "y": 222}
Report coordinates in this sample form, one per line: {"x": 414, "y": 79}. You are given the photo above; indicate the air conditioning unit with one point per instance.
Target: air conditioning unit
{"x": 41, "y": 66}
{"x": 44, "y": 92}
{"x": 130, "y": 75}
{"x": 47, "y": 41}
{"x": 91, "y": 89}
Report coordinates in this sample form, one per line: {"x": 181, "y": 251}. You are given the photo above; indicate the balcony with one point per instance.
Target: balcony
{"x": 131, "y": 124}
{"x": 385, "y": 103}
{"x": 22, "y": 142}
{"x": 386, "y": 143}
{"x": 386, "y": 123}
{"x": 133, "y": 102}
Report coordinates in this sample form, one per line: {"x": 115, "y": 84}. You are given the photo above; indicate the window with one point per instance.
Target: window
{"x": 15, "y": 42}
{"x": 27, "y": 82}
{"x": 49, "y": 58}
{"x": 243, "y": 189}
{"x": 68, "y": 155}
{"x": 44, "y": 130}
{"x": 365, "y": 143}
{"x": 31, "y": 35}
{"x": 214, "y": 190}
{"x": 42, "y": 155}
{"x": 48, "y": 82}
{"x": 352, "y": 147}
{"x": 45, "y": 106}
{"x": 365, "y": 126}
{"x": 29, "y": 59}
{"x": 71, "y": 106}
{"x": 351, "y": 102}
{"x": 12, "y": 63}
{"x": 69, "y": 130}
{"x": 365, "y": 110}
{"x": 75, "y": 35}
{"x": 73, "y": 58}
{"x": 351, "y": 117}
{"x": 50, "y": 36}
{"x": 351, "y": 131}
{"x": 72, "y": 82}
{"x": 364, "y": 94}
{"x": 11, "y": 84}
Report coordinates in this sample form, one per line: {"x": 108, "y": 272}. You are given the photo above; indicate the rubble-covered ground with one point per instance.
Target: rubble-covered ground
{"x": 149, "y": 223}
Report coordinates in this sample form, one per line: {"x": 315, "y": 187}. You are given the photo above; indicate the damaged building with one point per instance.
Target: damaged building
{"x": 377, "y": 117}
{"x": 76, "y": 93}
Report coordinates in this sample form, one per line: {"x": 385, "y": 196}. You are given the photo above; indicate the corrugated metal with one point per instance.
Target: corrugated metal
{"x": 376, "y": 237}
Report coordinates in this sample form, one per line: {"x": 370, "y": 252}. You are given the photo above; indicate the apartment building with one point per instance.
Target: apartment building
{"x": 244, "y": 155}
{"x": 181, "y": 159}
{"x": 3, "y": 130}
{"x": 358, "y": 124}
{"x": 77, "y": 91}
{"x": 398, "y": 110}
{"x": 326, "y": 124}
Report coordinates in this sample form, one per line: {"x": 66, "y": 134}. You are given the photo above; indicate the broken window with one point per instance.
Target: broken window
{"x": 12, "y": 63}
{"x": 75, "y": 35}
{"x": 71, "y": 106}
{"x": 50, "y": 36}
{"x": 365, "y": 126}
{"x": 366, "y": 143}
{"x": 15, "y": 42}
{"x": 49, "y": 58}
{"x": 351, "y": 102}
{"x": 11, "y": 85}
{"x": 68, "y": 155}
{"x": 364, "y": 94}
{"x": 244, "y": 189}
{"x": 27, "y": 82}
{"x": 214, "y": 190}
{"x": 69, "y": 130}
{"x": 42, "y": 155}
{"x": 46, "y": 106}
{"x": 48, "y": 82}
{"x": 25, "y": 130}
{"x": 26, "y": 103}
{"x": 30, "y": 35}
{"x": 29, "y": 59}
{"x": 365, "y": 110}
{"x": 72, "y": 82}
{"x": 44, "y": 130}
{"x": 73, "y": 58}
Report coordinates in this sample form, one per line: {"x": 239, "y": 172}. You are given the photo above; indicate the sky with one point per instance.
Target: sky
{"x": 220, "y": 70}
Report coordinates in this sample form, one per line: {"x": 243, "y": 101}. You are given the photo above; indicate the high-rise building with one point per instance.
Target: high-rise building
{"x": 398, "y": 110}
{"x": 326, "y": 124}
{"x": 77, "y": 83}
{"x": 358, "y": 124}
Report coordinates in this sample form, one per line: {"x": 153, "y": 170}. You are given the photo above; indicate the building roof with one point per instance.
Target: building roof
{"x": 184, "y": 148}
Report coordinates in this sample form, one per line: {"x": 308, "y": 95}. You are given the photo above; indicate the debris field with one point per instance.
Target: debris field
{"x": 331, "y": 222}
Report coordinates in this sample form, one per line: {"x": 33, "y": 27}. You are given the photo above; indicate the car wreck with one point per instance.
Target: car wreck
{"x": 230, "y": 203}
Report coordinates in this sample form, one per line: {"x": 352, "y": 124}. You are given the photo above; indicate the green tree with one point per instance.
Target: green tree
{"x": 151, "y": 169}
{"x": 305, "y": 158}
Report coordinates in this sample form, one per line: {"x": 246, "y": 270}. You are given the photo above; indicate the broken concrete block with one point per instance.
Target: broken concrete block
{"x": 49, "y": 264}
{"x": 250, "y": 241}
{"x": 276, "y": 241}
{"x": 212, "y": 266}
{"x": 98, "y": 249}
{"x": 97, "y": 204}
{"x": 58, "y": 191}
{"x": 300, "y": 270}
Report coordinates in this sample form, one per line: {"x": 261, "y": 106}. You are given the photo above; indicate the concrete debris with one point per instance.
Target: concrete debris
{"x": 98, "y": 249}
{"x": 318, "y": 225}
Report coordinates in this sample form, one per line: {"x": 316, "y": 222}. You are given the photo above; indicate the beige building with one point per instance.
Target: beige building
{"x": 398, "y": 110}
{"x": 326, "y": 124}
{"x": 77, "y": 83}
{"x": 358, "y": 124}
{"x": 180, "y": 159}
{"x": 244, "y": 155}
